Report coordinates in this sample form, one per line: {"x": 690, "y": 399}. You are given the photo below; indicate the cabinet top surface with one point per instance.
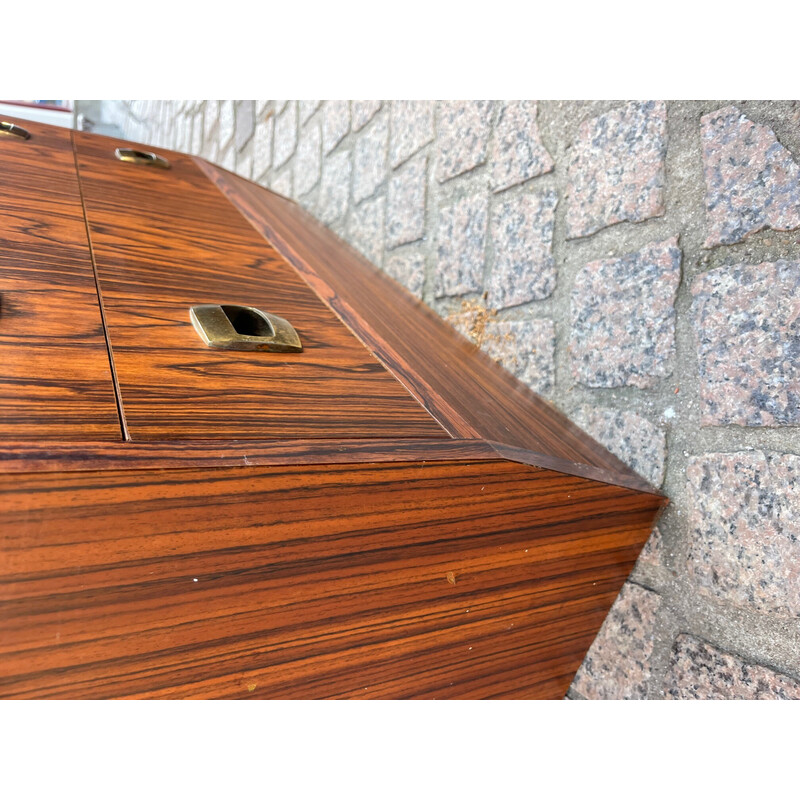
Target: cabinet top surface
{"x": 143, "y": 246}
{"x": 137, "y": 246}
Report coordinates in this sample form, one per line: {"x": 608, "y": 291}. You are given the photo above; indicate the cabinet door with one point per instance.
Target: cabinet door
{"x": 165, "y": 240}
{"x": 55, "y": 378}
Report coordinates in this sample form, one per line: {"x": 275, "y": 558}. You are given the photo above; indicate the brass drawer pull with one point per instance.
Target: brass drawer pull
{"x": 244, "y": 328}
{"x": 141, "y": 157}
{"x": 10, "y": 129}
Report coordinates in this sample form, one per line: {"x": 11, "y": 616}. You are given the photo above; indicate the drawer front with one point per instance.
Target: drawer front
{"x": 165, "y": 240}
{"x": 55, "y": 377}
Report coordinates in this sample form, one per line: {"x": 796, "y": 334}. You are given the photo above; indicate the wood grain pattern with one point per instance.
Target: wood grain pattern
{"x": 464, "y": 389}
{"x": 449, "y": 579}
{"x": 55, "y": 380}
{"x": 165, "y": 240}
{"x": 281, "y": 525}
{"x": 86, "y": 456}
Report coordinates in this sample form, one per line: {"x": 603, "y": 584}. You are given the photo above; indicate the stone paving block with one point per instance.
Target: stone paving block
{"x": 518, "y": 153}
{"x": 369, "y": 160}
{"x": 210, "y": 149}
{"x": 365, "y": 228}
{"x": 617, "y": 666}
{"x": 409, "y": 270}
{"x": 282, "y": 184}
{"x": 196, "y": 141}
{"x": 244, "y": 164}
{"x": 177, "y": 133}
{"x": 464, "y": 128}
{"x": 308, "y": 161}
{"x": 245, "y": 122}
{"x": 226, "y": 122}
{"x": 285, "y": 136}
{"x": 616, "y": 168}
{"x": 623, "y": 317}
{"x": 180, "y": 134}
{"x": 262, "y": 146}
{"x": 411, "y": 128}
{"x": 461, "y": 250}
{"x": 335, "y": 187}
{"x": 522, "y": 232}
{"x": 227, "y": 158}
{"x": 632, "y": 438}
{"x": 210, "y": 117}
{"x": 744, "y": 529}
{"x": 699, "y": 671}
{"x": 306, "y": 109}
{"x": 752, "y": 181}
{"x": 526, "y": 348}
{"x": 745, "y": 320}
{"x": 406, "y": 205}
{"x": 653, "y": 549}
{"x": 363, "y": 111}
{"x": 185, "y": 133}
{"x": 335, "y": 123}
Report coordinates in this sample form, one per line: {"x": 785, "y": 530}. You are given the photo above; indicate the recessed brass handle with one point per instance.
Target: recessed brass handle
{"x": 141, "y": 157}
{"x": 10, "y": 129}
{"x": 244, "y": 328}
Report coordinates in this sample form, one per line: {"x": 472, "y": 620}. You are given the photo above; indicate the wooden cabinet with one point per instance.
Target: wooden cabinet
{"x": 383, "y": 514}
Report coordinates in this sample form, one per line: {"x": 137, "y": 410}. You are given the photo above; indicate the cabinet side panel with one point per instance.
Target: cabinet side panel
{"x": 449, "y": 579}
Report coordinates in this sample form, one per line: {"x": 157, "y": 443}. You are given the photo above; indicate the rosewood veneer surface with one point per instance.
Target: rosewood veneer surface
{"x": 165, "y": 240}
{"x": 469, "y": 393}
{"x": 387, "y": 514}
{"x": 55, "y": 380}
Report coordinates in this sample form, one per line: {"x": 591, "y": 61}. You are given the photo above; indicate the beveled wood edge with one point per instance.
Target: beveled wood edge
{"x": 76, "y": 456}
{"x": 20, "y": 457}
{"x": 543, "y": 461}
{"x": 619, "y": 473}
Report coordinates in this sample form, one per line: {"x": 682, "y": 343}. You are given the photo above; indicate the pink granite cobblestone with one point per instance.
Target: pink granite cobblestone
{"x": 522, "y": 232}
{"x": 464, "y": 129}
{"x": 745, "y": 320}
{"x": 461, "y": 248}
{"x": 744, "y": 529}
{"x": 632, "y": 438}
{"x": 407, "y": 269}
{"x": 412, "y": 127}
{"x": 752, "y": 181}
{"x": 617, "y": 666}
{"x": 405, "y": 213}
{"x": 526, "y": 348}
{"x": 699, "y": 671}
{"x": 623, "y": 317}
{"x": 616, "y": 171}
{"x": 518, "y": 153}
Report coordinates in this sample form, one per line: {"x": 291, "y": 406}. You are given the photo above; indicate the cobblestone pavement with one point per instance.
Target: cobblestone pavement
{"x": 636, "y": 263}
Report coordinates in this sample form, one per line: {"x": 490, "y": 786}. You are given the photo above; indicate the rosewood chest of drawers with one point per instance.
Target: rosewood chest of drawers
{"x": 236, "y": 460}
